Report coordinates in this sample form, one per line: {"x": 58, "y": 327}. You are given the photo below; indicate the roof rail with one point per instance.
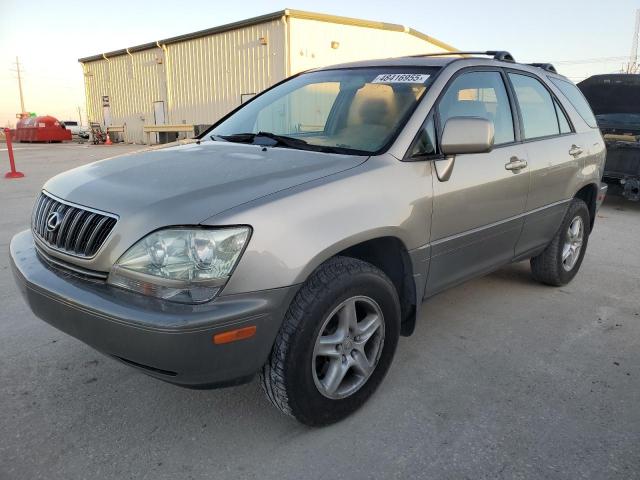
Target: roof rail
{"x": 501, "y": 55}
{"x": 545, "y": 66}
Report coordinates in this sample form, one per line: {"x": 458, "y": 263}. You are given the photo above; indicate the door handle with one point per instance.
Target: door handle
{"x": 516, "y": 164}
{"x": 575, "y": 150}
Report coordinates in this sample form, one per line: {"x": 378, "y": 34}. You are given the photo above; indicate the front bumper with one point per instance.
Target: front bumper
{"x": 169, "y": 341}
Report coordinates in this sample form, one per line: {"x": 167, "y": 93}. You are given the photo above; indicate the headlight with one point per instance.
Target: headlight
{"x": 185, "y": 265}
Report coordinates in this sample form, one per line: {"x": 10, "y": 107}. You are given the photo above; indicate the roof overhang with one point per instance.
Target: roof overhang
{"x": 267, "y": 18}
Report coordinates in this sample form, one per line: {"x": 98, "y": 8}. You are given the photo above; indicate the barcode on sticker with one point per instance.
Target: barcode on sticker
{"x": 401, "y": 78}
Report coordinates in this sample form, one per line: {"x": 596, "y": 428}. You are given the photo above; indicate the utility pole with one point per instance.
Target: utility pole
{"x": 79, "y": 115}
{"x": 22, "y": 110}
{"x": 633, "y": 60}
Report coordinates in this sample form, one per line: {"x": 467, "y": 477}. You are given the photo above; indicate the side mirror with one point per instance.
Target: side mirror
{"x": 467, "y": 135}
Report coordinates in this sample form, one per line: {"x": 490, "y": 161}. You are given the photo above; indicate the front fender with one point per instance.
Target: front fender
{"x": 297, "y": 229}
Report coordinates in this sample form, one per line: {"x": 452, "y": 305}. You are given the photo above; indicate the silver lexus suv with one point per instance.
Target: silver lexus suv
{"x": 300, "y": 235}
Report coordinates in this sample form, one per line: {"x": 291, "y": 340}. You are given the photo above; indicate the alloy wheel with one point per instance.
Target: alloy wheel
{"x": 348, "y": 347}
{"x": 573, "y": 243}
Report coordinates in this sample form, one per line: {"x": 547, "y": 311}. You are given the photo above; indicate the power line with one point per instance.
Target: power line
{"x": 590, "y": 60}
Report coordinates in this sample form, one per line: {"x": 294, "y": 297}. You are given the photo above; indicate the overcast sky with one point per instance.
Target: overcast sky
{"x": 49, "y": 36}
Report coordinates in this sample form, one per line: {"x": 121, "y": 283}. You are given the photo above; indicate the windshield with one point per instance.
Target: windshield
{"x": 358, "y": 111}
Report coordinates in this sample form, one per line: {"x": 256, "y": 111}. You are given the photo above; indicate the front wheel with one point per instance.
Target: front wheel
{"x": 561, "y": 260}
{"x": 336, "y": 342}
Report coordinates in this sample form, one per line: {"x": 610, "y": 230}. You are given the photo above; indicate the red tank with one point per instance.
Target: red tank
{"x": 40, "y": 129}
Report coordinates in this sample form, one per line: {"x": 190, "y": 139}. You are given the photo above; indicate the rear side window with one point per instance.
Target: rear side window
{"x": 479, "y": 94}
{"x": 562, "y": 119}
{"x": 536, "y": 107}
{"x": 574, "y": 95}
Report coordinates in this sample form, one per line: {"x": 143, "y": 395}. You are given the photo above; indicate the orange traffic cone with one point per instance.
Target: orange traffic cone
{"x": 108, "y": 142}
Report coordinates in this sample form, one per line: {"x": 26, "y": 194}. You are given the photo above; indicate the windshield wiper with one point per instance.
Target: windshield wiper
{"x": 271, "y": 140}
{"x": 254, "y": 138}
{"x": 283, "y": 139}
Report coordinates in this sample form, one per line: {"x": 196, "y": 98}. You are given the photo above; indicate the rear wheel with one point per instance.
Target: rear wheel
{"x": 336, "y": 343}
{"x": 561, "y": 260}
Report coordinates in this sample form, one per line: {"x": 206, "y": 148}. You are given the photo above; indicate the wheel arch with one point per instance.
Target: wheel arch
{"x": 388, "y": 253}
{"x": 589, "y": 194}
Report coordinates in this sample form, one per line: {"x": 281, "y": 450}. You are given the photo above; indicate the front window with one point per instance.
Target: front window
{"x": 479, "y": 94}
{"x": 356, "y": 111}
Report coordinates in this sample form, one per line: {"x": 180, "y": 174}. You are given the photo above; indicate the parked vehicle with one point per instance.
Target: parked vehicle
{"x": 75, "y": 128}
{"x": 301, "y": 234}
{"x": 615, "y": 100}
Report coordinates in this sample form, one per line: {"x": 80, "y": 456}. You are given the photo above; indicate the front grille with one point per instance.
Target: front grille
{"x": 77, "y": 230}
{"x": 66, "y": 268}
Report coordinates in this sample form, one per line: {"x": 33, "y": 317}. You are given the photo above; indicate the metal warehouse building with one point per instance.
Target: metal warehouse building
{"x": 180, "y": 83}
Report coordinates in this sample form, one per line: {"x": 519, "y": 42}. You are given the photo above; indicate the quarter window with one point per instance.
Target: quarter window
{"x": 577, "y": 99}
{"x": 425, "y": 142}
{"x": 537, "y": 107}
{"x": 479, "y": 94}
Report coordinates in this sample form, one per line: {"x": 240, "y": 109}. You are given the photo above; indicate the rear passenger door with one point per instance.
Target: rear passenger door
{"x": 477, "y": 213}
{"x": 554, "y": 156}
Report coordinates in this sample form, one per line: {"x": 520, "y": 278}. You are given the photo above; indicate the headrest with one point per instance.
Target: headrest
{"x": 375, "y": 112}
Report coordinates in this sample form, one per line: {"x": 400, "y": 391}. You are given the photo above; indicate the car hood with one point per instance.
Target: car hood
{"x": 197, "y": 180}
{"x": 187, "y": 184}
{"x": 614, "y": 93}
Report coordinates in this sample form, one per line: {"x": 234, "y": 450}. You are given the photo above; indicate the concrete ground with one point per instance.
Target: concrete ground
{"x": 503, "y": 378}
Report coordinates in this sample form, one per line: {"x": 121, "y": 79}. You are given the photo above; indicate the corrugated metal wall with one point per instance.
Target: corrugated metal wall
{"x": 310, "y": 43}
{"x": 201, "y": 79}
{"x": 208, "y": 76}
{"x": 198, "y": 80}
{"x": 132, "y": 82}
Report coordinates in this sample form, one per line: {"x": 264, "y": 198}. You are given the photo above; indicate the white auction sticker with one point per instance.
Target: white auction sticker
{"x": 401, "y": 78}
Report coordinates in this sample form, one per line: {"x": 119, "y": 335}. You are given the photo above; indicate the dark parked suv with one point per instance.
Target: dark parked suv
{"x": 301, "y": 234}
{"x": 615, "y": 100}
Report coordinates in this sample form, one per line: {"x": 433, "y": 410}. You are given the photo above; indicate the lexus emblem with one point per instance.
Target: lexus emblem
{"x": 54, "y": 219}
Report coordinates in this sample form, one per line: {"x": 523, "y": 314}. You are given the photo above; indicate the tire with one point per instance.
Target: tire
{"x": 296, "y": 377}
{"x": 550, "y": 267}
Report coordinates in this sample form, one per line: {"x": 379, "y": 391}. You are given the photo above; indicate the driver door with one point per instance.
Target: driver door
{"x": 478, "y": 212}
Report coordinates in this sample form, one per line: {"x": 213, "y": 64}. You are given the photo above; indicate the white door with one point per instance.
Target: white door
{"x": 106, "y": 115}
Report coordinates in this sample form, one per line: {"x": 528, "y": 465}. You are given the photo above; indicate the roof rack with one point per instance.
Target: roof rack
{"x": 545, "y": 66}
{"x": 500, "y": 55}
